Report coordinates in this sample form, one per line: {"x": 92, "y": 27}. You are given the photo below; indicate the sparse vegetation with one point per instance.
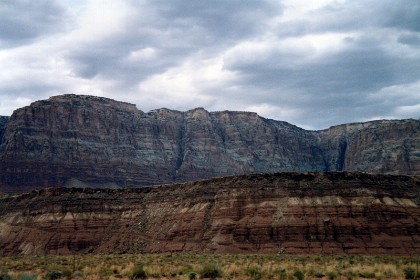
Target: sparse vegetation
{"x": 138, "y": 272}
{"x": 189, "y": 266}
{"x": 410, "y": 273}
{"x": 210, "y": 271}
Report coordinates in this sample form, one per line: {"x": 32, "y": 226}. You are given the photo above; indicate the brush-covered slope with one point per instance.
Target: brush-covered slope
{"x": 328, "y": 213}
{"x": 73, "y": 140}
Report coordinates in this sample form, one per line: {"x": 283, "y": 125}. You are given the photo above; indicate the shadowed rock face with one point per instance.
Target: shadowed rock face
{"x": 72, "y": 140}
{"x": 328, "y": 213}
{"x": 3, "y": 123}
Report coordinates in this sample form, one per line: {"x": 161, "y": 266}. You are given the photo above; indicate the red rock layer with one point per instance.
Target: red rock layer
{"x": 316, "y": 213}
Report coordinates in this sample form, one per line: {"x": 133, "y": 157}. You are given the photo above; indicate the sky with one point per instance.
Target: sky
{"x": 311, "y": 63}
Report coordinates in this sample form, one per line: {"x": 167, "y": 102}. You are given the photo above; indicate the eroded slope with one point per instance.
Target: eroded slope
{"x": 327, "y": 213}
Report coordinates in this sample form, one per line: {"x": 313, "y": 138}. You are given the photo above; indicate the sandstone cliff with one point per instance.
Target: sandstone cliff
{"x": 326, "y": 213}
{"x": 383, "y": 146}
{"x": 73, "y": 140}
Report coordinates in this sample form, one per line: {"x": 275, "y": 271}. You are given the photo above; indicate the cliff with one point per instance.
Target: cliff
{"x": 73, "y": 140}
{"x": 322, "y": 213}
{"x": 3, "y": 123}
{"x": 382, "y": 146}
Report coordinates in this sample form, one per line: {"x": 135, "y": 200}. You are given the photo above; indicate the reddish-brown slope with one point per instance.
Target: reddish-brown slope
{"x": 352, "y": 213}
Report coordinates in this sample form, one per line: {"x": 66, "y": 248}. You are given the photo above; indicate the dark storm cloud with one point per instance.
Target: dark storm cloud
{"x": 220, "y": 20}
{"x": 356, "y": 15}
{"x": 356, "y": 69}
{"x": 339, "y": 85}
{"x": 22, "y": 21}
{"x": 339, "y": 62}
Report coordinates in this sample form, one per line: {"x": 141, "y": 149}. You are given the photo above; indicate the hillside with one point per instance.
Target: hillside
{"x": 320, "y": 213}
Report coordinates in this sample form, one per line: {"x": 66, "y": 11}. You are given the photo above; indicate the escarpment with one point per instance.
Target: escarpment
{"x": 73, "y": 140}
{"x": 379, "y": 147}
{"x": 321, "y": 213}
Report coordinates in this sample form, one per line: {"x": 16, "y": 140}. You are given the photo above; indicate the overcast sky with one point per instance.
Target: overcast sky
{"x": 311, "y": 63}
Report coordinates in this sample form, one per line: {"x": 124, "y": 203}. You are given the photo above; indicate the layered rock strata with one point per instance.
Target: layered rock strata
{"x": 320, "y": 213}
{"x": 70, "y": 140}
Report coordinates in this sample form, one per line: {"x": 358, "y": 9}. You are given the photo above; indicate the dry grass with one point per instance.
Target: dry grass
{"x": 191, "y": 266}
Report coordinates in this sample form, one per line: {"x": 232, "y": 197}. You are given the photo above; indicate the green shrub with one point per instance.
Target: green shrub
{"x": 351, "y": 275}
{"x": 27, "y": 277}
{"x": 138, "y": 272}
{"x": 319, "y": 274}
{"x": 282, "y": 274}
{"x": 254, "y": 272}
{"x": 367, "y": 274}
{"x": 5, "y": 276}
{"x": 67, "y": 274}
{"x": 333, "y": 275}
{"x": 54, "y": 274}
{"x": 192, "y": 275}
{"x": 210, "y": 271}
{"x": 298, "y": 274}
{"x": 409, "y": 273}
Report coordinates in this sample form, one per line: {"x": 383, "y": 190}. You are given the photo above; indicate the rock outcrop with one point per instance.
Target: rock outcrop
{"x": 322, "y": 213}
{"x": 73, "y": 140}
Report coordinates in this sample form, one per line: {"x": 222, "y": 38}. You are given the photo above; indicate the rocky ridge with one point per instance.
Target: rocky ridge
{"x": 73, "y": 140}
{"x": 321, "y": 213}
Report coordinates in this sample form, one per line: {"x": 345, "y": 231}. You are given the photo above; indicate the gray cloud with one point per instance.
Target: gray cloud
{"x": 342, "y": 62}
{"x": 22, "y": 21}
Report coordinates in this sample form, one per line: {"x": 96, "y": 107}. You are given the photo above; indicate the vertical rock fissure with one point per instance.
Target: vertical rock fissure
{"x": 181, "y": 148}
{"x": 342, "y": 155}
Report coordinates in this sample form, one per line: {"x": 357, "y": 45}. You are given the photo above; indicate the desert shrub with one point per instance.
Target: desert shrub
{"x": 54, "y": 274}
{"x": 409, "y": 273}
{"x": 319, "y": 274}
{"x": 282, "y": 274}
{"x": 367, "y": 274}
{"x": 210, "y": 271}
{"x": 253, "y": 272}
{"x": 138, "y": 272}
{"x": 192, "y": 275}
{"x": 298, "y": 274}
{"x": 5, "y": 276}
{"x": 333, "y": 275}
{"x": 27, "y": 277}
{"x": 351, "y": 275}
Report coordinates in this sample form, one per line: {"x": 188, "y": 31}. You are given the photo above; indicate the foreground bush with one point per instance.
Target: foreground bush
{"x": 210, "y": 271}
{"x": 138, "y": 272}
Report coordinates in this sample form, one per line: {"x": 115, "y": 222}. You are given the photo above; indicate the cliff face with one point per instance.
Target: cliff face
{"x": 328, "y": 213}
{"x": 379, "y": 147}
{"x": 72, "y": 140}
{"x": 3, "y": 123}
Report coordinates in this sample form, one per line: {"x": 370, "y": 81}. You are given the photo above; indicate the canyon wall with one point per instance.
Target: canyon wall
{"x": 321, "y": 213}
{"x": 73, "y": 140}
{"x": 3, "y": 123}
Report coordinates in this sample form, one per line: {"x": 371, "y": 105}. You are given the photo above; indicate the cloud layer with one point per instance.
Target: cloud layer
{"x": 311, "y": 64}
